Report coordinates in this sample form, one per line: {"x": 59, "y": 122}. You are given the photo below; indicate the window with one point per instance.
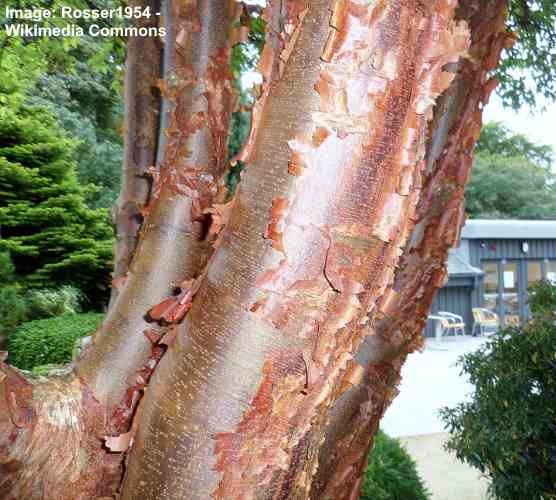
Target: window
{"x": 490, "y": 299}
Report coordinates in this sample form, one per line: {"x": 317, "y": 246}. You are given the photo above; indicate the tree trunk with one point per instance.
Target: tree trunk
{"x": 143, "y": 70}
{"x": 271, "y": 383}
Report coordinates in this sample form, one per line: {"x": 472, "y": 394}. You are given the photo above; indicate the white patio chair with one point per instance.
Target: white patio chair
{"x": 455, "y": 322}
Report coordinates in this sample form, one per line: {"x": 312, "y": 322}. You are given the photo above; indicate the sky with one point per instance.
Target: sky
{"x": 540, "y": 127}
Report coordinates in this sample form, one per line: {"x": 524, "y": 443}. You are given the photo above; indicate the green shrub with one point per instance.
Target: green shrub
{"x": 18, "y": 304}
{"x": 391, "y": 473}
{"x": 49, "y": 341}
{"x": 53, "y": 302}
{"x": 542, "y": 300}
{"x": 52, "y": 235}
{"x": 508, "y": 429}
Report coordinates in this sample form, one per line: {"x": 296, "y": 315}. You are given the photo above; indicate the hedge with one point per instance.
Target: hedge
{"x": 49, "y": 341}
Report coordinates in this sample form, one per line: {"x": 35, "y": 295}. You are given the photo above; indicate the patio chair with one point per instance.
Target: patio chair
{"x": 455, "y": 322}
{"x": 441, "y": 325}
{"x": 484, "y": 321}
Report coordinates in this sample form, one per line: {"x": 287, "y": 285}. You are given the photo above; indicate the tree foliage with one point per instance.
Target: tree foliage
{"x": 514, "y": 378}
{"x": 89, "y": 110}
{"x": 52, "y": 235}
{"x": 497, "y": 139}
{"x": 511, "y": 178}
{"x": 79, "y": 80}
{"x": 528, "y": 69}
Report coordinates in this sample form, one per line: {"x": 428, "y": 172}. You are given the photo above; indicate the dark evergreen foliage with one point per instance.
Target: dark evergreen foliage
{"x": 54, "y": 238}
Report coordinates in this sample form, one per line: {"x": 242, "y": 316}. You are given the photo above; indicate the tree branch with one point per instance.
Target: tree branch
{"x": 141, "y": 127}
{"x": 453, "y": 133}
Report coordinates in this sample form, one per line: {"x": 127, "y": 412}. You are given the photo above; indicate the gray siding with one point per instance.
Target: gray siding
{"x": 510, "y": 249}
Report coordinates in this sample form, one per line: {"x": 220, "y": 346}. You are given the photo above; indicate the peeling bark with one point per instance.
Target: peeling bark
{"x": 319, "y": 225}
{"x": 422, "y": 270}
{"x": 50, "y": 439}
{"x": 101, "y": 394}
{"x": 190, "y": 176}
{"x": 255, "y": 344}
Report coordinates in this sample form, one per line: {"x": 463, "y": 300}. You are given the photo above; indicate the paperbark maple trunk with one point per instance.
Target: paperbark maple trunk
{"x": 273, "y": 384}
{"x": 452, "y": 136}
{"x": 143, "y": 70}
{"x": 53, "y": 433}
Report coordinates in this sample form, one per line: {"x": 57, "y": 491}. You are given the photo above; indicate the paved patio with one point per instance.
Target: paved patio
{"x": 445, "y": 477}
{"x": 431, "y": 380}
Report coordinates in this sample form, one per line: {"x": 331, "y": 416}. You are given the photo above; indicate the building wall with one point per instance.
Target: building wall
{"x": 497, "y": 250}
{"x": 510, "y": 249}
{"x": 461, "y": 294}
{"x": 454, "y": 299}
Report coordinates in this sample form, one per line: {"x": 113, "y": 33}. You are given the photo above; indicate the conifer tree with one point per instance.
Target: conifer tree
{"x": 45, "y": 224}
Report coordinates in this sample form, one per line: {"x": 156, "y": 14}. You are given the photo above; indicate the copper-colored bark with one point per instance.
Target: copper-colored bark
{"x": 49, "y": 439}
{"x": 422, "y": 270}
{"x": 173, "y": 247}
{"x": 235, "y": 407}
{"x": 94, "y": 403}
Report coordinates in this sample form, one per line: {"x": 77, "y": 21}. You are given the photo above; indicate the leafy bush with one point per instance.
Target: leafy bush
{"x": 507, "y": 430}
{"x": 49, "y": 341}
{"x": 53, "y": 302}
{"x": 542, "y": 300}
{"x": 18, "y": 305}
{"x": 391, "y": 473}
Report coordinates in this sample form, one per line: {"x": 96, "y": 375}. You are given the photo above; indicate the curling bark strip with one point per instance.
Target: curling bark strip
{"x": 311, "y": 247}
{"x": 141, "y": 125}
{"x": 422, "y": 270}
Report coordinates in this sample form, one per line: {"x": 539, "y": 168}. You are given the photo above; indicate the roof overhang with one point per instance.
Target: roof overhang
{"x": 498, "y": 229}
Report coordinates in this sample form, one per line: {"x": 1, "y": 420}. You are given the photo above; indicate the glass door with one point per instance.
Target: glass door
{"x": 510, "y": 293}
{"x": 503, "y": 293}
{"x": 491, "y": 297}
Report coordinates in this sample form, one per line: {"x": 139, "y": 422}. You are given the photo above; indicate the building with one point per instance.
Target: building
{"x": 496, "y": 262}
